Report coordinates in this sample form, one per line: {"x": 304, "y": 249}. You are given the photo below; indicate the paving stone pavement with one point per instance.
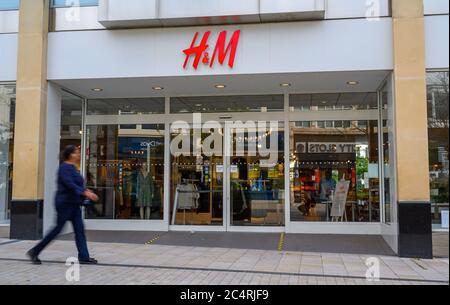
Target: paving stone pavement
{"x": 134, "y": 264}
{"x": 440, "y": 244}
{"x": 4, "y": 231}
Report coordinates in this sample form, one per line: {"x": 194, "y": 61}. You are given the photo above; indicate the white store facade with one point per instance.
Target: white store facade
{"x": 312, "y": 85}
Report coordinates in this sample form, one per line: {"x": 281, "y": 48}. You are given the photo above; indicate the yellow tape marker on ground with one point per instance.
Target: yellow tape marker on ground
{"x": 281, "y": 242}
{"x": 152, "y": 240}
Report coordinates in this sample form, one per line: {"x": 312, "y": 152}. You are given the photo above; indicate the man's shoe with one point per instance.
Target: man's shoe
{"x": 34, "y": 258}
{"x": 88, "y": 261}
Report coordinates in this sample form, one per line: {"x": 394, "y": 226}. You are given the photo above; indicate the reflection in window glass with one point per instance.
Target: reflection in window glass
{"x": 126, "y": 106}
{"x": 257, "y": 177}
{"x": 9, "y": 5}
{"x": 334, "y": 173}
{"x": 197, "y": 181}
{"x": 69, "y": 3}
{"x": 126, "y": 169}
{"x": 387, "y": 150}
{"x": 71, "y": 120}
{"x": 438, "y": 137}
{"x": 333, "y": 101}
{"x": 212, "y": 104}
{"x": 7, "y": 113}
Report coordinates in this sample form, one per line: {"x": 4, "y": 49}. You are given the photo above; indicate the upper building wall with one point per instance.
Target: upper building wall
{"x": 101, "y": 14}
{"x": 166, "y": 13}
{"x": 437, "y": 42}
{"x": 8, "y": 57}
{"x": 435, "y": 7}
{"x": 87, "y": 18}
{"x": 331, "y": 45}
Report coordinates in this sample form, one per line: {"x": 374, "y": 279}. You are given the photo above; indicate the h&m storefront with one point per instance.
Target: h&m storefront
{"x": 297, "y": 127}
{"x": 235, "y": 138}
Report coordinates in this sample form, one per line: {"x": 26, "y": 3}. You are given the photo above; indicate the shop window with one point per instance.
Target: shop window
{"x": 334, "y": 174}
{"x": 7, "y": 114}
{"x": 257, "y": 180}
{"x": 255, "y": 174}
{"x": 438, "y": 137}
{"x": 214, "y": 104}
{"x": 71, "y": 120}
{"x": 128, "y": 126}
{"x": 197, "y": 181}
{"x": 70, "y": 3}
{"x": 388, "y": 168}
{"x": 153, "y": 126}
{"x": 125, "y": 167}
{"x": 6, "y": 5}
{"x": 127, "y": 106}
{"x": 338, "y": 124}
{"x": 333, "y": 102}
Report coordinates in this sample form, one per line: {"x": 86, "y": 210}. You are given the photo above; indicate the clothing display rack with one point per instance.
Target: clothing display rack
{"x": 193, "y": 194}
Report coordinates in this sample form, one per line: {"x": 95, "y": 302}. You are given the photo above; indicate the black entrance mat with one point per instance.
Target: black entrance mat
{"x": 350, "y": 244}
{"x": 257, "y": 241}
{"x": 324, "y": 243}
{"x": 119, "y": 237}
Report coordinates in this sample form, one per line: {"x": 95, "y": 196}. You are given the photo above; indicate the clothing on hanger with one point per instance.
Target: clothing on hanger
{"x": 157, "y": 195}
{"x": 188, "y": 196}
{"x": 119, "y": 195}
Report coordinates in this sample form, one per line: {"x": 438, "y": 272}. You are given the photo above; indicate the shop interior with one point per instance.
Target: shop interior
{"x": 125, "y": 166}
{"x": 327, "y": 158}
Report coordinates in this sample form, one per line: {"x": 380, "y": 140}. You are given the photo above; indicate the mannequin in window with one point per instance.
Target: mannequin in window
{"x": 144, "y": 192}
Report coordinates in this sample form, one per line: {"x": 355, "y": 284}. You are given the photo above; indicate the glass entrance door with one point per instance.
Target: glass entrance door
{"x": 197, "y": 177}
{"x": 255, "y": 174}
{"x": 232, "y": 176}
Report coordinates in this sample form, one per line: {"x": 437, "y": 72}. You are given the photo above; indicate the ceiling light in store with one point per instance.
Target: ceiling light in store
{"x": 220, "y": 86}
{"x": 97, "y": 89}
{"x": 285, "y": 85}
{"x": 158, "y": 88}
{"x": 353, "y": 83}
{"x": 198, "y": 105}
{"x": 324, "y": 102}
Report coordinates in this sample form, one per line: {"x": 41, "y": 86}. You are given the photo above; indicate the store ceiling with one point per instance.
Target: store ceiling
{"x": 301, "y": 83}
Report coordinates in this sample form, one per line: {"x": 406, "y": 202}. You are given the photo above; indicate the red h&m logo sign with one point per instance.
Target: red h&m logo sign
{"x": 220, "y": 51}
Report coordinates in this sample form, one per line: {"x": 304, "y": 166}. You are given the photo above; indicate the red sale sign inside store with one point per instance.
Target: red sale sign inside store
{"x": 221, "y": 50}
